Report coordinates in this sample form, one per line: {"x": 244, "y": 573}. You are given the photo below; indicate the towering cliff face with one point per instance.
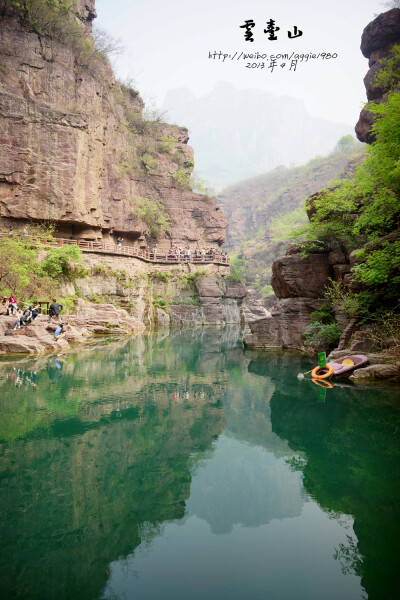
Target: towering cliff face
{"x": 377, "y": 41}
{"x": 79, "y": 152}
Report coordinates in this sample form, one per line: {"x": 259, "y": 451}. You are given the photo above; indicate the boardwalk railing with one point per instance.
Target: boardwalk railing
{"x": 109, "y": 248}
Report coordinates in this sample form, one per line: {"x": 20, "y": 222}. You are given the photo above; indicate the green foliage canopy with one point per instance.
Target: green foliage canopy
{"x": 21, "y": 271}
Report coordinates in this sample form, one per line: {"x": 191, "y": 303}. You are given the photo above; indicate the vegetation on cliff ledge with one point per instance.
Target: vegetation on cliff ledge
{"x": 59, "y": 19}
{"x": 264, "y": 212}
{"x": 363, "y": 213}
{"x": 29, "y": 269}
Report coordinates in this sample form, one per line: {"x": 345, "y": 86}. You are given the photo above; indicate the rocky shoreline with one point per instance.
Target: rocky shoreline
{"x": 91, "y": 320}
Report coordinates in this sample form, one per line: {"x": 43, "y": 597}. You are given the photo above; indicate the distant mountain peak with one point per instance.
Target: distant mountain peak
{"x": 240, "y": 133}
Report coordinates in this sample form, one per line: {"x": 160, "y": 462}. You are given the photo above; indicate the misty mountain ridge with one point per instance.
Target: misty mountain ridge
{"x": 237, "y": 134}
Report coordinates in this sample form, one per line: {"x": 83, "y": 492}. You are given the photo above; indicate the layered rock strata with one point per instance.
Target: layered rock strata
{"x": 162, "y": 295}
{"x": 219, "y": 303}
{"x": 299, "y": 283}
{"x": 80, "y": 152}
{"x": 377, "y": 41}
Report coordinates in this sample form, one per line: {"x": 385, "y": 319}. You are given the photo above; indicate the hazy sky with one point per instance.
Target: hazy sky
{"x": 167, "y": 43}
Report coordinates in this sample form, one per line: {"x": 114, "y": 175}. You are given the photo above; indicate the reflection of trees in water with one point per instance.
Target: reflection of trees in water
{"x": 96, "y": 459}
{"x": 352, "y": 467}
{"x": 349, "y": 557}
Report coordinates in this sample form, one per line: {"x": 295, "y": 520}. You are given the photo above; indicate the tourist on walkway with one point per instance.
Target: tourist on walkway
{"x": 5, "y": 305}
{"x": 55, "y": 310}
{"x": 119, "y": 244}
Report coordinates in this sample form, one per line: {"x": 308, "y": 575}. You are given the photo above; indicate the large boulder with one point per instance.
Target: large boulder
{"x": 212, "y": 310}
{"x": 377, "y": 41}
{"x": 219, "y": 303}
{"x": 235, "y": 289}
{"x": 295, "y": 276}
{"x": 285, "y": 326}
{"x": 186, "y": 315}
{"x": 383, "y": 30}
{"x": 210, "y": 287}
{"x": 20, "y": 344}
{"x": 377, "y": 372}
{"x": 254, "y": 311}
{"x": 103, "y": 319}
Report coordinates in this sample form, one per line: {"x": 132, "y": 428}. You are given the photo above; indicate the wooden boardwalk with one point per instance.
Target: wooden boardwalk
{"x": 109, "y": 248}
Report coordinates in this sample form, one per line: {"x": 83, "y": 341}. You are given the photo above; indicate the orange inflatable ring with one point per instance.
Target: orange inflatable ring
{"x": 329, "y": 373}
{"x": 323, "y": 383}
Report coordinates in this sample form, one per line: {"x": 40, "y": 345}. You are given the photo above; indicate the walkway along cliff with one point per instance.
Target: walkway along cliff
{"x": 82, "y": 153}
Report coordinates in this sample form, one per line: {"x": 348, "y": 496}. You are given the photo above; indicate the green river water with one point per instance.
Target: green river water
{"x": 184, "y": 467}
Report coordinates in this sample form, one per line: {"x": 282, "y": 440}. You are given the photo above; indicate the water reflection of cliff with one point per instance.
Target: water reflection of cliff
{"x": 245, "y": 484}
{"x": 352, "y": 466}
{"x": 97, "y": 456}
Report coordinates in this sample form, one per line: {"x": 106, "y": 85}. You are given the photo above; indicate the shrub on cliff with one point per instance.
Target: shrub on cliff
{"x": 58, "y": 19}
{"x": 21, "y": 270}
{"x": 153, "y": 214}
{"x": 322, "y": 335}
{"x": 62, "y": 263}
{"x": 237, "y": 267}
{"x": 366, "y": 207}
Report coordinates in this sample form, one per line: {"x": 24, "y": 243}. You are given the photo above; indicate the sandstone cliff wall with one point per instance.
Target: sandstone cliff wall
{"x": 299, "y": 283}
{"x": 78, "y": 151}
{"x": 181, "y": 295}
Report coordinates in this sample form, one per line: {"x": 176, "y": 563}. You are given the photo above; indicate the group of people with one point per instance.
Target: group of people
{"x": 11, "y": 231}
{"x": 29, "y": 312}
{"x": 205, "y": 254}
{"x": 186, "y": 254}
{"x": 25, "y": 315}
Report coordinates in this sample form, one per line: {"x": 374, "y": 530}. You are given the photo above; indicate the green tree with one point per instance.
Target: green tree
{"x": 61, "y": 262}
{"x": 346, "y": 141}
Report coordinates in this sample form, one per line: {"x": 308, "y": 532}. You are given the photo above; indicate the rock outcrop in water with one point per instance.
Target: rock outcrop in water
{"x": 299, "y": 283}
{"x": 377, "y": 41}
{"x": 219, "y": 302}
{"x": 89, "y": 320}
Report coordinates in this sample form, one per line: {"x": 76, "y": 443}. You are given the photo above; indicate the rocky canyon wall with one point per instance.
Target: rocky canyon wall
{"x": 79, "y": 152}
{"x": 179, "y": 295}
{"x": 299, "y": 283}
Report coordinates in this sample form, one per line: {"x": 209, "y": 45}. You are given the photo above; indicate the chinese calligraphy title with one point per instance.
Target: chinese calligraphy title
{"x": 270, "y": 30}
